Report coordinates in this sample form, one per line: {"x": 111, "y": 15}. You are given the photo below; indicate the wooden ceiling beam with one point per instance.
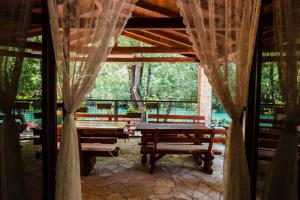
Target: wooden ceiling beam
{"x": 36, "y": 46}
{"x": 148, "y": 23}
{"x": 155, "y": 8}
{"x": 34, "y": 32}
{"x": 144, "y": 39}
{"x": 163, "y": 40}
{"x": 131, "y": 50}
{"x": 173, "y": 37}
{"x": 121, "y": 59}
{"x": 15, "y": 54}
{"x": 155, "y": 59}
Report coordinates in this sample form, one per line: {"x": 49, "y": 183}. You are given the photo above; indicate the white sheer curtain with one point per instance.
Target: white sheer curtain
{"x": 83, "y": 32}
{"x": 14, "y": 22}
{"x": 282, "y": 179}
{"x": 223, "y": 33}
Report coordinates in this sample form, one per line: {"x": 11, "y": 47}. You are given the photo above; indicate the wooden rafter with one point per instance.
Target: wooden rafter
{"x": 144, "y": 39}
{"x": 171, "y": 37}
{"x": 163, "y": 40}
{"x": 156, "y": 9}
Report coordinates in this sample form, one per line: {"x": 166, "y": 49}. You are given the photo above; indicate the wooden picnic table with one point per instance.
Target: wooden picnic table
{"x": 159, "y": 139}
{"x": 98, "y": 128}
{"x": 96, "y": 139}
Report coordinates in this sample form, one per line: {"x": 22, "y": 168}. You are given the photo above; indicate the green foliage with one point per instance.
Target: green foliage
{"x": 267, "y": 91}
{"x": 133, "y": 109}
{"x": 169, "y": 81}
{"x": 112, "y": 83}
{"x": 172, "y": 81}
{"x": 30, "y": 86}
{"x": 216, "y": 105}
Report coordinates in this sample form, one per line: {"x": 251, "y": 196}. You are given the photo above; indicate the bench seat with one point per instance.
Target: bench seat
{"x": 98, "y": 147}
{"x": 176, "y": 148}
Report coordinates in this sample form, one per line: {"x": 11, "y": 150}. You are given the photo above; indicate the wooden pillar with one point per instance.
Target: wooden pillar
{"x": 48, "y": 108}
{"x": 199, "y": 90}
{"x": 253, "y": 111}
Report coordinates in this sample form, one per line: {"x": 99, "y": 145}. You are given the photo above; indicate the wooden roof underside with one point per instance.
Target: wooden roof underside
{"x": 157, "y": 23}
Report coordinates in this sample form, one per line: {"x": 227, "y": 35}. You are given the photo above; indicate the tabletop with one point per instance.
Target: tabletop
{"x": 90, "y": 124}
{"x": 86, "y": 124}
{"x": 182, "y": 128}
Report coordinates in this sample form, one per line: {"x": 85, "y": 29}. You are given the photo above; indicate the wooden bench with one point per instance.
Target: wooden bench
{"x": 269, "y": 135}
{"x": 102, "y": 144}
{"x": 92, "y": 146}
{"x": 220, "y": 135}
{"x": 268, "y": 141}
{"x": 158, "y": 143}
{"x": 154, "y": 118}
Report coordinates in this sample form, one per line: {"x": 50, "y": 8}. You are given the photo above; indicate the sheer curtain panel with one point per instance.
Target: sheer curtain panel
{"x": 14, "y": 22}
{"x": 223, "y": 34}
{"x": 282, "y": 179}
{"x": 83, "y": 33}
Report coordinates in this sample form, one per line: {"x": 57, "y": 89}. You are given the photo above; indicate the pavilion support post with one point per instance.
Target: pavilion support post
{"x": 204, "y": 100}
{"x": 199, "y": 89}
{"x": 253, "y": 111}
{"x": 48, "y": 108}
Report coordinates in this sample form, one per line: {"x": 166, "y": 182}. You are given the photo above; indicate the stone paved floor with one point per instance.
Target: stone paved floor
{"x": 175, "y": 177}
{"x": 123, "y": 177}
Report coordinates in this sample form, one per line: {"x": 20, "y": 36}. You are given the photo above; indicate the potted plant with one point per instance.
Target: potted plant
{"x": 133, "y": 112}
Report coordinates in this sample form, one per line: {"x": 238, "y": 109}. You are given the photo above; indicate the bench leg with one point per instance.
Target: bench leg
{"x": 198, "y": 158}
{"x": 88, "y": 165}
{"x": 144, "y": 159}
{"x": 208, "y": 162}
{"x": 152, "y": 163}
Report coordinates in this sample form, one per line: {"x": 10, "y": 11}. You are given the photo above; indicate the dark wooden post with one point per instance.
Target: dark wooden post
{"x": 253, "y": 111}
{"x": 48, "y": 108}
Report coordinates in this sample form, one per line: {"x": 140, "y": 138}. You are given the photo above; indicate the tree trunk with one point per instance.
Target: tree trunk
{"x": 147, "y": 92}
{"x": 135, "y": 78}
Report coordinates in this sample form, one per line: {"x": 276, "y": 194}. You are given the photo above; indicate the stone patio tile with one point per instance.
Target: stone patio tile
{"x": 181, "y": 195}
{"x": 157, "y": 189}
{"x": 100, "y": 191}
{"x": 165, "y": 196}
{"x": 118, "y": 187}
{"x": 114, "y": 196}
{"x": 165, "y": 183}
{"x": 152, "y": 197}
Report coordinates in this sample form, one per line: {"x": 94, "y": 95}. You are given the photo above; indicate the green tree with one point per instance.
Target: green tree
{"x": 30, "y": 85}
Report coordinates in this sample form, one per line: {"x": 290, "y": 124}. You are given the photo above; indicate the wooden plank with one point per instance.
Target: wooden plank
{"x": 164, "y": 40}
{"x": 37, "y": 47}
{"x": 179, "y": 41}
{"x": 176, "y": 117}
{"x": 137, "y": 23}
{"x": 144, "y": 39}
{"x": 156, "y": 9}
{"x": 156, "y": 59}
{"x": 161, "y": 49}
{"x": 121, "y": 59}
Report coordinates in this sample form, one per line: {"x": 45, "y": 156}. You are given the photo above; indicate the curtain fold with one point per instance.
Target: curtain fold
{"x": 282, "y": 179}
{"x": 15, "y": 19}
{"x": 83, "y": 33}
{"x": 223, "y": 34}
